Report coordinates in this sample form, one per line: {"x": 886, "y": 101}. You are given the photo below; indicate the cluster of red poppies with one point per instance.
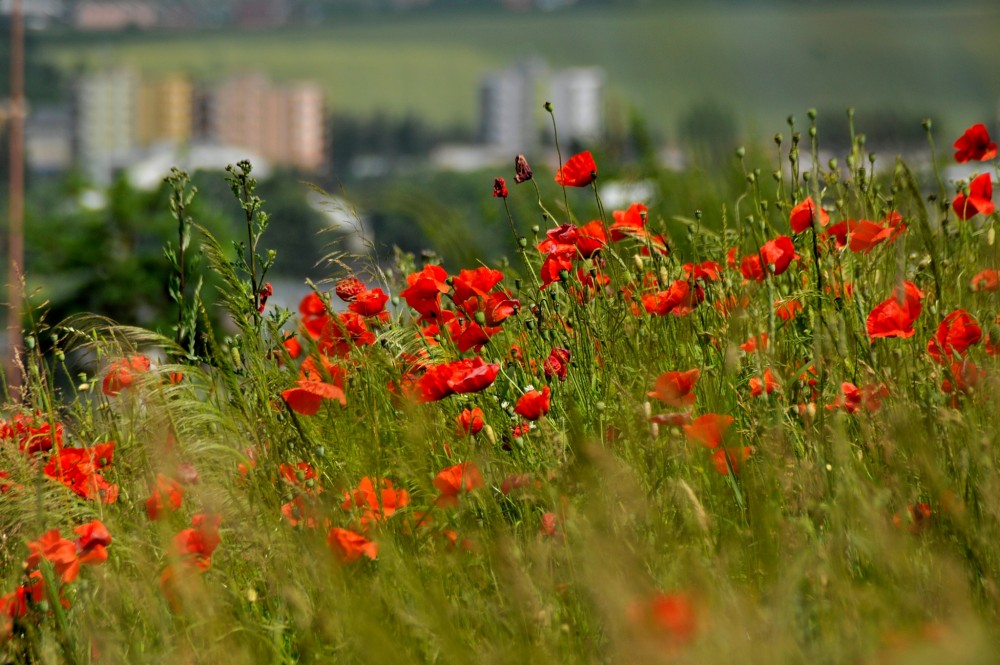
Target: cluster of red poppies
{"x": 65, "y": 557}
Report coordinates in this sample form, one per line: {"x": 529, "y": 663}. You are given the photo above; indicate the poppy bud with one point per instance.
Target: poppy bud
{"x": 811, "y": 113}
{"x": 499, "y": 188}
{"x": 480, "y": 318}
{"x": 548, "y": 106}
{"x": 522, "y": 242}
{"x": 522, "y": 171}
{"x": 741, "y": 152}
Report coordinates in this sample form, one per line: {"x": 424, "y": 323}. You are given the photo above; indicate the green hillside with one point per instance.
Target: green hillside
{"x": 763, "y": 62}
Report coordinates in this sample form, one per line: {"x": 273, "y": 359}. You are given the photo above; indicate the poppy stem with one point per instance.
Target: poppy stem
{"x": 555, "y": 138}
{"x": 520, "y": 249}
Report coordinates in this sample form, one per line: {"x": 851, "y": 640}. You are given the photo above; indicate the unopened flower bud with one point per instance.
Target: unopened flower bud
{"x": 499, "y": 188}
{"x": 522, "y": 171}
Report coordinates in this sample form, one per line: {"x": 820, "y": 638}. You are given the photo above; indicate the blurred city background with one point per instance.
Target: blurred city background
{"x": 399, "y": 114}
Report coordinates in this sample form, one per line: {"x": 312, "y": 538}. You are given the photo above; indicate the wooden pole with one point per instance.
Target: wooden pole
{"x": 15, "y": 228}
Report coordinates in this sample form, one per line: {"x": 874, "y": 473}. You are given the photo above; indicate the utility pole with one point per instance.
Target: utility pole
{"x": 15, "y": 222}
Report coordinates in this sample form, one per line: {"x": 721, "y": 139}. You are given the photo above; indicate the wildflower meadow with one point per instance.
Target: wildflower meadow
{"x": 762, "y": 433}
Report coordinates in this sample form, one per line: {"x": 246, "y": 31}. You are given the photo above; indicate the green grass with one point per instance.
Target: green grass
{"x": 923, "y": 59}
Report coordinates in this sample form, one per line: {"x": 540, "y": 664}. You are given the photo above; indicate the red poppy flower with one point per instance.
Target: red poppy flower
{"x": 754, "y": 343}
{"x": 122, "y": 373}
{"x": 557, "y": 364}
{"x": 348, "y": 546}
{"x": 92, "y": 540}
{"x": 579, "y": 171}
{"x": 194, "y": 546}
{"x": 975, "y": 144}
{"x": 679, "y": 299}
{"x": 591, "y": 238}
{"x": 307, "y": 396}
{"x": 707, "y": 430}
{"x": 455, "y": 480}
{"x": 760, "y": 386}
{"x": 671, "y": 615}
{"x": 378, "y": 499}
{"x": 629, "y": 223}
{"x": 707, "y": 271}
{"x": 533, "y": 404}
{"x": 369, "y": 303}
{"x": 852, "y": 398}
{"x": 462, "y": 376}
{"x": 676, "y": 388}
{"x": 167, "y": 493}
{"x": 963, "y": 377}
{"x": 787, "y": 310}
{"x": 557, "y": 262}
{"x": 979, "y": 200}
{"x": 773, "y": 258}
{"x": 79, "y": 469}
{"x": 803, "y": 215}
{"x": 894, "y": 316}
{"x": 470, "y": 422}
{"x": 58, "y": 551}
{"x": 957, "y": 332}
{"x": 725, "y": 458}
{"x": 475, "y": 283}
{"x": 424, "y": 290}
{"x": 34, "y": 433}
{"x": 986, "y": 280}
{"x": 778, "y": 254}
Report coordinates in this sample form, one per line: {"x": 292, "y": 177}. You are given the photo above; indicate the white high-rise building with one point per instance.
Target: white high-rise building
{"x": 104, "y": 132}
{"x": 577, "y": 97}
{"x": 509, "y": 107}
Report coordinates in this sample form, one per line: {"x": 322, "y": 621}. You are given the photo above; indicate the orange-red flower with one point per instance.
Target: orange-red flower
{"x": 707, "y": 430}
{"x": 557, "y": 363}
{"x": 462, "y": 376}
{"x": 975, "y": 144}
{"x": 979, "y": 200}
{"x": 194, "y": 546}
{"x": 579, "y": 171}
{"x": 671, "y": 615}
{"x": 533, "y": 404}
{"x": 986, "y": 280}
{"x": 804, "y": 215}
{"x": 167, "y": 493}
{"x": 676, "y": 388}
{"x": 455, "y": 480}
{"x": 957, "y": 332}
{"x": 307, "y": 396}
{"x": 378, "y": 499}
{"x": 773, "y": 258}
{"x": 470, "y": 421}
{"x": 754, "y": 343}
{"x": 759, "y": 386}
{"x": 370, "y": 303}
{"x": 852, "y": 398}
{"x": 963, "y": 377}
{"x": 424, "y": 289}
{"x": 92, "y": 540}
{"x": 894, "y": 316}
{"x": 629, "y": 223}
{"x": 122, "y": 373}
{"x": 727, "y": 458}
{"x": 348, "y": 546}
{"x": 80, "y": 470}
{"x": 58, "y": 551}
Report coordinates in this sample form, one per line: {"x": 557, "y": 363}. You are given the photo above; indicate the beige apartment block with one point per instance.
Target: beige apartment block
{"x": 164, "y": 111}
